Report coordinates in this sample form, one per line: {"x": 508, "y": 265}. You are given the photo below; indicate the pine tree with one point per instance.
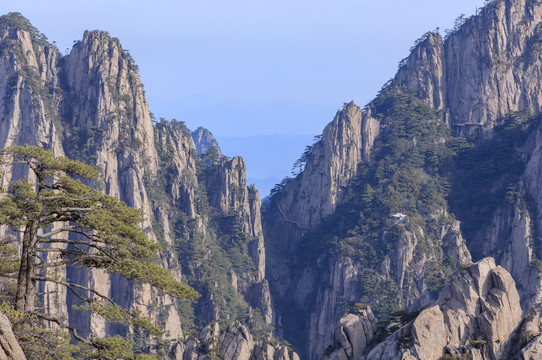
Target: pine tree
{"x": 64, "y": 222}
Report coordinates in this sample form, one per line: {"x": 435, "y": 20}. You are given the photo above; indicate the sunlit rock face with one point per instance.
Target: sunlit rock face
{"x": 476, "y": 76}
{"x": 90, "y": 105}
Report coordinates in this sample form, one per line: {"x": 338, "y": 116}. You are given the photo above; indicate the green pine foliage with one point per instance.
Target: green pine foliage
{"x": 210, "y": 257}
{"x": 81, "y": 143}
{"x": 15, "y": 20}
{"x": 12, "y": 49}
{"x": 68, "y": 223}
{"x": 487, "y": 172}
{"x": 409, "y": 174}
{"x": 418, "y": 169}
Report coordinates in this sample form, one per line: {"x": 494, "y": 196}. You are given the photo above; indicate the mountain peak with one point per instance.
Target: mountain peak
{"x": 204, "y": 140}
{"x": 16, "y": 21}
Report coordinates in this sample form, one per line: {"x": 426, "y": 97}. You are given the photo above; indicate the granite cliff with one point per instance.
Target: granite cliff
{"x": 480, "y": 84}
{"x": 477, "y": 316}
{"x": 90, "y": 105}
{"x": 451, "y": 146}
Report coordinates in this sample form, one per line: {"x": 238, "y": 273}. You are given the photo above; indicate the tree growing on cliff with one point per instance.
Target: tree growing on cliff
{"x": 62, "y": 223}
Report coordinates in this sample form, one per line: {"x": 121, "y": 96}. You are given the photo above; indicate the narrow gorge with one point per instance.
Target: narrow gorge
{"x": 452, "y": 146}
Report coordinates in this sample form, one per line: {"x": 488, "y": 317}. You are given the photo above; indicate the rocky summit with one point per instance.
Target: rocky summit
{"x": 410, "y": 228}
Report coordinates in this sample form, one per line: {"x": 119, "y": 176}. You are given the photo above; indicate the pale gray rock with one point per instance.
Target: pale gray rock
{"x": 533, "y": 350}
{"x": 96, "y": 90}
{"x": 342, "y": 274}
{"x": 486, "y": 69}
{"x": 478, "y": 313}
{"x": 333, "y": 161}
{"x": 234, "y": 343}
{"x": 9, "y": 346}
{"x": 345, "y": 144}
{"x": 352, "y": 336}
{"x": 427, "y": 333}
{"x": 482, "y": 71}
{"x": 204, "y": 140}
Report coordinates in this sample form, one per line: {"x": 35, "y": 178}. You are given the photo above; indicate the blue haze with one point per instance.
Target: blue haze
{"x": 244, "y": 68}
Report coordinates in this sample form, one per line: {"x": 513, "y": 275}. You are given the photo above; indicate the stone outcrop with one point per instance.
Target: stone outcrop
{"x": 233, "y": 343}
{"x": 477, "y": 316}
{"x": 333, "y": 161}
{"x": 321, "y": 290}
{"x": 303, "y": 202}
{"x": 204, "y": 140}
{"x": 90, "y": 105}
{"x": 485, "y": 69}
{"x": 402, "y": 266}
{"x": 352, "y": 336}
{"x": 477, "y": 313}
{"x": 229, "y": 195}
{"x": 9, "y": 347}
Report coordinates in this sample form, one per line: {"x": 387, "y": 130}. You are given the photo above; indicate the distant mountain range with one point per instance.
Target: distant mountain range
{"x": 269, "y": 158}
{"x": 323, "y": 270}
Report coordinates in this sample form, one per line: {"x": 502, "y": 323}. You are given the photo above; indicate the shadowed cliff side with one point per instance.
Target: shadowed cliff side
{"x": 481, "y": 88}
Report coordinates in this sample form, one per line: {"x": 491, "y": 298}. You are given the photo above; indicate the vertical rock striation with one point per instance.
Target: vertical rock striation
{"x": 90, "y": 106}
{"x": 488, "y": 67}
{"x": 9, "y": 347}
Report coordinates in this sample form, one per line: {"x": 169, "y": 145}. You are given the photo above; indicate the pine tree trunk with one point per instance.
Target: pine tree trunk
{"x": 26, "y": 285}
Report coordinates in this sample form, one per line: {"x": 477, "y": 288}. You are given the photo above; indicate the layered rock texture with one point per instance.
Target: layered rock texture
{"x": 9, "y": 347}
{"x": 488, "y": 67}
{"x": 480, "y": 83}
{"x": 477, "y": 316}
{"x": 451, "y": 146}
{"x": 352, "y": 336}
{"x": 90, "y": 105}
{"x": 235, "y": 342}
{"x": 477, "y": 313}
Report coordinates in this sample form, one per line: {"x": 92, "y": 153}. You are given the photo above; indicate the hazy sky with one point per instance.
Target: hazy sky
{"x": 252, "y": 67}
{"x": 246, "y": 68}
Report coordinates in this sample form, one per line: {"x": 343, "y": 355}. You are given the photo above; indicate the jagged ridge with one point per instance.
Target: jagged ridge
{"x": 90, "y": 105}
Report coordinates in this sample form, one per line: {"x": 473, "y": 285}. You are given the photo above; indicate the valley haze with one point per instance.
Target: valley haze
{"x": 410, "y": 227}
{"x": 247, "y": 69}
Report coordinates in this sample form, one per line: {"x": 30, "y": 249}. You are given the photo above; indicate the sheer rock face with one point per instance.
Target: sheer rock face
{"x": 339, "y": 283}
{"x": 104, "y": 109}
{"x": 509, "y": 236}
{"x": 90, "y": 106}
{"x": 476, "y": 316}
{"x": 352, "y": 336}
{"x": 301, "y": 205}
{"x": 316, "y": 289}
{"x": 316, "y": 191}
{"x": 230, "y": 194}
{"x": 334, "y": 160}
{"x": 313, "y": 194}
{"x": 487, "y": 68}
{"x": 26, "y": 68}
{"x": 529, "y": 339}
{"x": 477, "y": 313}
{"x": 484, "y": 70}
